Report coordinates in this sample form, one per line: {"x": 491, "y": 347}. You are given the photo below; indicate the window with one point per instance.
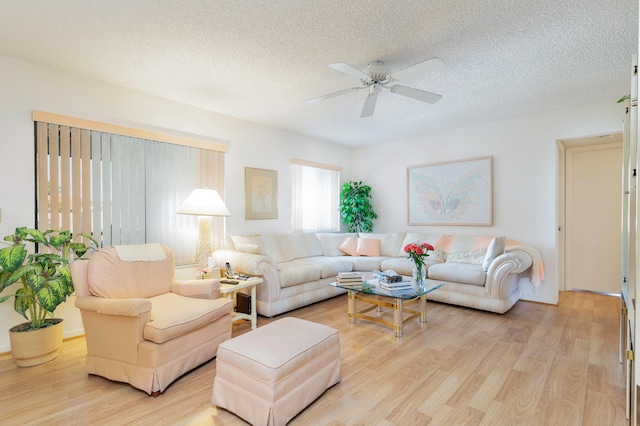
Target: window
{"x": 315, "y": 197}
{"x": 121, "y": 189}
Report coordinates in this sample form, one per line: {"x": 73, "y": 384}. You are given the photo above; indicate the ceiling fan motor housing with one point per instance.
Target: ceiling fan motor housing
{"x": 377, "y": 72}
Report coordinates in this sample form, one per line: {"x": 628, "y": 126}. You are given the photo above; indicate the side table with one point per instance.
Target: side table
{"x": 229, "y": 290}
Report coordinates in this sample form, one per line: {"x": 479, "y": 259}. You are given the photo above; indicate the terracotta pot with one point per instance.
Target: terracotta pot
{"x": 34, "y": 347}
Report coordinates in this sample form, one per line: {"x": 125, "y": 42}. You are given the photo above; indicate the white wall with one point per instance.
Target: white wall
{"x": 523, "y": 149}
{"x": 25, "y": 87}
{"x": 524, "y": 174}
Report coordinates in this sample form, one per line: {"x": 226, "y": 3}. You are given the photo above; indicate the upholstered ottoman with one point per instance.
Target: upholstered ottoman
{"x": 270, "y": 374}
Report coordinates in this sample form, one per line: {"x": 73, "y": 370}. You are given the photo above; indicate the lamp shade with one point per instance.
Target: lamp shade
{"x": 204, "y": 202}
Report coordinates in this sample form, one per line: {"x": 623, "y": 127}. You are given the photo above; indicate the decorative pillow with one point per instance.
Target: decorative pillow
{"x": 390, "y": 244}
{"x": 495, "y": 249}
{"x": 245, "y": 241}
{"x": 368, "y": 247}
{"x": 248, "y": 248}
{"x": 348, "y": 246}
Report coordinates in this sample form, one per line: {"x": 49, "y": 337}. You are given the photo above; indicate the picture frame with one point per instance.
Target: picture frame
{"x": 260, "y": 194}
{"x": 451, "y": 193}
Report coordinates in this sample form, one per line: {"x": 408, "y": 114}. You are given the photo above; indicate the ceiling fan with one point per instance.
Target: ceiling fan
{"x": 377, "y": 76}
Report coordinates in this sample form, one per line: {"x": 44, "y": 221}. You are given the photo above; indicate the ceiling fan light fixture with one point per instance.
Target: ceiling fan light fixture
{"x": 377, "y": 75}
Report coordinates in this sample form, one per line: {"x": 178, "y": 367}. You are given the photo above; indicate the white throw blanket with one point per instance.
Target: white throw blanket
{"x": 136, "y": 252}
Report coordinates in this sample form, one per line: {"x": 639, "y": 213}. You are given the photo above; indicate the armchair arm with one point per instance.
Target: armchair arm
{"x": 201, "y": 289}
{"x": 123, "y": 307}
{"x": 114, "y": 327}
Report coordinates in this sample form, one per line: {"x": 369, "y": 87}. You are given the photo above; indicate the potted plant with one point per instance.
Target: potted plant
{"x": 355, "y": 207}
{"x": 43, "y": 282}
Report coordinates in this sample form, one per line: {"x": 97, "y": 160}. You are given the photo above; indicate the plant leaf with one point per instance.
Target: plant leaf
{"x": 22, "y": 302}
{"x": 51, "y": 295}
{"x": 12, "y": 257}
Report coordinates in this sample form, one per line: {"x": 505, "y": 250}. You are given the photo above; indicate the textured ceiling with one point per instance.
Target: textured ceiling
{"x": 260, "y": 60}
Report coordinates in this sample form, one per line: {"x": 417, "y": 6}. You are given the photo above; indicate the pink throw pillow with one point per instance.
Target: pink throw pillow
{"x": 348, "y": 246}
{"x": 368, "y": 247}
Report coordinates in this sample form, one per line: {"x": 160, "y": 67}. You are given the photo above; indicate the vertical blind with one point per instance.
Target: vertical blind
{"x": 122, "y": 189}
{"x": 315, "y": 197}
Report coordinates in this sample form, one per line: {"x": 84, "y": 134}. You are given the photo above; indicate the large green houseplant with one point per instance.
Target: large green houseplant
{"x": 356, "y": 210}
{"x": 43, "y": 277}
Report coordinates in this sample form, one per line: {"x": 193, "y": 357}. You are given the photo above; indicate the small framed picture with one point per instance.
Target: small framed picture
{"x": 260, "y": 194}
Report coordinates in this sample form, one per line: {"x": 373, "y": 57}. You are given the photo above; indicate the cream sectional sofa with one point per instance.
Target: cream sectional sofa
{"x": 481, "y": 272}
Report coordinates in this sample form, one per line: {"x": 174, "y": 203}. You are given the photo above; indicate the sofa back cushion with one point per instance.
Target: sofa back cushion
{"x": 415, "y": 237}
{"x": 330, "y": 242}
{"x": 300, "y": 245}
{"x": 464, "y": 248}
{"x": 111, "y": 277}
{"x": 390, "y": 244}
{"x": 268, "y": 245}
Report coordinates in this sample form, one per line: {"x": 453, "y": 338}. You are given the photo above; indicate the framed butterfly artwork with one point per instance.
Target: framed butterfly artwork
{"x": 451, "y": 193}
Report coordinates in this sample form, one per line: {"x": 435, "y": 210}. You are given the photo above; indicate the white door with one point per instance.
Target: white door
{"x": 593, "y": 178}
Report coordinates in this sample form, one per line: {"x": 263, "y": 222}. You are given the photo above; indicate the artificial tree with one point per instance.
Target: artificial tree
{"x": 356, "y": 210}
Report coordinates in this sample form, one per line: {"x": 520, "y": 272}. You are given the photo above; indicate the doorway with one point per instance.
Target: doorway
{"x": 591, "y": 170}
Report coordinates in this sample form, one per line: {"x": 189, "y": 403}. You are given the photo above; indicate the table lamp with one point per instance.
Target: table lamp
{"x": 204, "y": 203}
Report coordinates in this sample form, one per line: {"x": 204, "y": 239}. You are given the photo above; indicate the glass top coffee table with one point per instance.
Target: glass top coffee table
{"x": 380, "y": 299}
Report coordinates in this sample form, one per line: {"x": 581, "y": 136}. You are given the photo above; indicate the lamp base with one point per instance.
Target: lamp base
{"x": 204, "y": 243}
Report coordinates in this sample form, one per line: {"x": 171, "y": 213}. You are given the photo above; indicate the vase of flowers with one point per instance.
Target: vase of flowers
{"x": 418, "y": 252}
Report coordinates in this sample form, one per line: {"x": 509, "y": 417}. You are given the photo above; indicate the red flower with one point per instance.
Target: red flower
{"x": 417, "y": 252}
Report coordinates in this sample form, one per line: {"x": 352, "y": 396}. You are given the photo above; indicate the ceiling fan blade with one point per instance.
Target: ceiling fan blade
{"x": 331, "y": 95}
{"x": 369, "y": 105}
{"x": 420, "y": 95}
{"x": 419, "y": 68}
{"x": 349, "y": 70}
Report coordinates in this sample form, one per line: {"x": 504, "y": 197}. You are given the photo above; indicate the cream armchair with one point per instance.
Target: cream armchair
{"x": 141, "y": 326}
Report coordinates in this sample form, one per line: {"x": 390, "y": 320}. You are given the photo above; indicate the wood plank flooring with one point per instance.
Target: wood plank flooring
{"x": 536, "y": 365}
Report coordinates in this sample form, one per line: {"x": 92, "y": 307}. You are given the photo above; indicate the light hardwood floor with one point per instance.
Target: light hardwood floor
{"x": 537, "y": 365}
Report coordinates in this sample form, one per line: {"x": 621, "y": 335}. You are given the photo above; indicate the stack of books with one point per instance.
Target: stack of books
{"x": 397, "y": 287}
{"x": 349, "y": 279}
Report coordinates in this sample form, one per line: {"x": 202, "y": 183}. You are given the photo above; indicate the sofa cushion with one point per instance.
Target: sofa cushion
{"x": 168, "y": 321}
{"x": 390, "y": 244}
{"x": 415, "y": 237}
{"x": 349, "y": 245}
{"x": 299, "y": 245}
{"x": 457, "y": 272}
{"x": 471, "y": 257}
{"x": 368, "y": 247}
{"x": 113, "y": 278}
{"x": 464, "y": 248}
{"x": 495, "y": 249}
{"x": 331, "y": 241}
{"x": 329, "y": 266}
{"x": 298, "y": 271}
{"x": 366, "y": 263}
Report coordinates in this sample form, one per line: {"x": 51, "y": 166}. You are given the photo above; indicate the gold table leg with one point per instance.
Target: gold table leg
{"x": 397, "y": 317}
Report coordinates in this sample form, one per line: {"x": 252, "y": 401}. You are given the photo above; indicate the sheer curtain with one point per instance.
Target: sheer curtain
{"x": 123, "y": 189}
{"x": 315, "y": 197}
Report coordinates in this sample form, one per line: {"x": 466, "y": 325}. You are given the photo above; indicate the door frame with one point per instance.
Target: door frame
{"x": 562, "y": 146}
